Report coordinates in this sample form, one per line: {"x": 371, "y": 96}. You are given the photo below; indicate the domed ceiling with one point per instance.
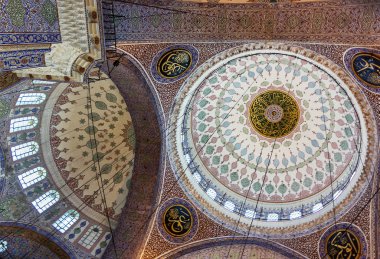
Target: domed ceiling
{"x": 267, "y": 137}
{"x": 83, "y": 140}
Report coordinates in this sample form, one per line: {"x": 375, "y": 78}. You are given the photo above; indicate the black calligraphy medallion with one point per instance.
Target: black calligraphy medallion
{"x": 343, "y": 244}
{"x": 177, "y": 220}
{"x": 366, "y": 67}
{"x": 174, "y": 63}
{"x": 343, "y": 241}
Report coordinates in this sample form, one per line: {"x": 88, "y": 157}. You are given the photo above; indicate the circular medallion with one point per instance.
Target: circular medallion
{"x": 343, "y": 241}
{"x": 367, "y": 68}
{"x": 4, "y": 109}
{"x": 364, "y": 66}
{"x": 274, "y": 114}
{"x": 177, "y": 220}
{"x": 174, "y": 63}
{"x": 250, "y": 114}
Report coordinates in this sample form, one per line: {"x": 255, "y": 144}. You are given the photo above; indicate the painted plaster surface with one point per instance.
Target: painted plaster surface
{"x": 82, "y": 134}
{"x": 347, "y": 22}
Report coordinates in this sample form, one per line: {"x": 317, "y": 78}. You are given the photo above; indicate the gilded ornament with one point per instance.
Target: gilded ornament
{"x": 177, "y": 220}
{"x": 366, "y": 67}
{"x": 343, "y": 244}
{"x": 274, "y": 114}
{"x": 174, "y": 63}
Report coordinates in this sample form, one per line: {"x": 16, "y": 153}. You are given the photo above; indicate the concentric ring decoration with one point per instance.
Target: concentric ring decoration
{"x": 225, "y": 153}
{"x": 363, "y": 64}
{"x": 174, "y": 63}
{"x": 177, "y": 220}
{"x": 343, "y": 240}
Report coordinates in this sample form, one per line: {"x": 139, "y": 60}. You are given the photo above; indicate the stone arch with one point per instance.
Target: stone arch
{"x": 147, "y": 117}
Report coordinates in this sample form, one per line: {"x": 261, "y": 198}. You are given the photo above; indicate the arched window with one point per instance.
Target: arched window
{"x": 295, "y": 214}
{"x": 45, "y": 201}
{"x": 32, "y": 176}
{"x": 250, "y": 214}
{"x": 3, "y": 246}
{"x": 317, "y": 207}
{"x": 89, "y": 239}
{"x": 212, "y": 193}
{"x": 272, "y": 217}
{"x": 24, "y": 150}
{"x": 23, "y": 123}
{"x": 30, "y": 98}
{"x": 229, "y": 205}
{"x": 43, "y": 82}
{"x": 66, "y": 221}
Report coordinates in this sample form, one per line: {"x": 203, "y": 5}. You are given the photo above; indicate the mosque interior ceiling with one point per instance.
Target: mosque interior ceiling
{"x": 189, "y": 129}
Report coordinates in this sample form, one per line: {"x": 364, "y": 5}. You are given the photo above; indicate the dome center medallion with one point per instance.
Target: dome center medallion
{"x": 274, "y": 114}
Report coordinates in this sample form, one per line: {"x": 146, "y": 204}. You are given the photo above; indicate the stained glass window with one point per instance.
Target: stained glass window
{"x": 89, "y": 239}
{"x": 43, "y": 82}
{"x": 32, "y": 176}
{"x": 66, "y": 221}
{"x": 23, "y": 123}
{"x": 30, "y": 98}
{"x": 45, "y": 201}
{"x": 24, "y": 150}
{"x": 229, "y": 205}
{"x": 295, "y": 214}
{"x": 3, "y": 246}
{"x": 272, "y": 217}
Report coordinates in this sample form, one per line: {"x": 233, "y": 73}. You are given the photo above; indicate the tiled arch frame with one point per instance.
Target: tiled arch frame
{"x": 136, "y": 219}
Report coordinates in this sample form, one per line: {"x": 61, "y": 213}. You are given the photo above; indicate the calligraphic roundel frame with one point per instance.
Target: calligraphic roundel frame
{"x": 217, "y": 197}
{"x": 342, "y": 226}
{"x": 349, "y": 56}
{"x": 157, "y": 75}
{"x": 169, "y": 236}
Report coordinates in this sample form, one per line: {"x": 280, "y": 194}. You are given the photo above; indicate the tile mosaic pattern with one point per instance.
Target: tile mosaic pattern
{"x": 321, "y": 21}
{"x": 29, "y": 22}
{"x": 76, "y": 152}
{"x": 13, "y": 60}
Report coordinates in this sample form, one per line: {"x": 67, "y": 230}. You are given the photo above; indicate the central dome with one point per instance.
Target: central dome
{"x": 274, "y": 114}
{"x": 267, "y": 135}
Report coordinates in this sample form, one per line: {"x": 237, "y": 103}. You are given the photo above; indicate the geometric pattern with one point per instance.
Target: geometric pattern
{"x": 29, "y": 22}
{"x": 319, "y": 21}
{"x": 88, "y": 139}
{"x": 12, "y": 60}
{"x": 233, "y": 172}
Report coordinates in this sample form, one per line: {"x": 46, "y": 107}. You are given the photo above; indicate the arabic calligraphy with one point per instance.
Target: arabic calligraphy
{"x": 174, "y": 63}
{"x": 274, "y": 114}
{"x": 177, "y": 220}
{"x": 367, "y": 68}
{"x": 343, "y": 244}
